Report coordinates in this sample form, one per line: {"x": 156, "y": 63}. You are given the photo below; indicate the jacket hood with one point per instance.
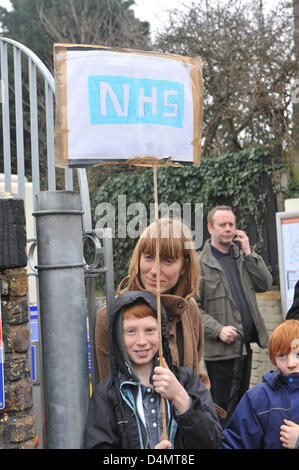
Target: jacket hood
{"x": 119, "y": 360}
{"x": 275, "y": 379}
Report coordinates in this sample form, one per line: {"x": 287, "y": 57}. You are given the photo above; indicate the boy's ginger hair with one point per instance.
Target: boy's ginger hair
{"x": 284, "y": 338}
{"x": 139, "y": 310}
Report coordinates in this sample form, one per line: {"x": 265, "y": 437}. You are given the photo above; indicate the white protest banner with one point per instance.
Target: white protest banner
{"x": 121, "y": 104}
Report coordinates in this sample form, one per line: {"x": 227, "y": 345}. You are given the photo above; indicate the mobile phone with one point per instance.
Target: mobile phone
{"x": 236, "y": 241}
{"x": 238, "y": 247}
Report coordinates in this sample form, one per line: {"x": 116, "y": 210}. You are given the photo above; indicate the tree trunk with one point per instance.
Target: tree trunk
{"x": 295, "y": 100}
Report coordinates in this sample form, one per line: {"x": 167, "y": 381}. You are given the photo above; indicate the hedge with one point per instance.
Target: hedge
{"x": 237, "y": 179}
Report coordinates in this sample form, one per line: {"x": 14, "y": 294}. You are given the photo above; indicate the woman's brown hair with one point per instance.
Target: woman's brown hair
{"x": 175, "y": 240}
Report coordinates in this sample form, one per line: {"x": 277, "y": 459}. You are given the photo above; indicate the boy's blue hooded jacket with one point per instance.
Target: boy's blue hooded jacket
{"x": 256, "y": 421}
{"x": 113, "y": 420}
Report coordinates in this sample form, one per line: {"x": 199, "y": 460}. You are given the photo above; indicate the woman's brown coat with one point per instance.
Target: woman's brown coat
{"x": 178, "y": 309}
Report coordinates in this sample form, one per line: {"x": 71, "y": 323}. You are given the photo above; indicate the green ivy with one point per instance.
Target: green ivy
{"x": 237, "y": 179}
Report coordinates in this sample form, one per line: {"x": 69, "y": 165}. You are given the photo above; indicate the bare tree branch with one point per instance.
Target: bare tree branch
{"x": 248, "y": 59}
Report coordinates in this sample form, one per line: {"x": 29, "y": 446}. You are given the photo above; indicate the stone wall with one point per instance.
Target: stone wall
{"x": 269, "y": 304}
{"x": 17, "y": 421}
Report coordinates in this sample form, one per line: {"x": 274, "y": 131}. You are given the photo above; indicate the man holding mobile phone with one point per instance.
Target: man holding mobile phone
{"x": 231, "y": 274}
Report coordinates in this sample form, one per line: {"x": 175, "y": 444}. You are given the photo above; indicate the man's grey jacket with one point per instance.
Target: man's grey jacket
{"x": 218, "y": 307}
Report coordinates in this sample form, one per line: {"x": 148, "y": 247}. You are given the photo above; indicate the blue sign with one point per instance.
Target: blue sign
{"x": 33, "y": 362}
{"x": 126, "y": 100}
{"x": 34, "y": 339}
{"x": 88, "y": 347}
{"x": 34, "y": 323}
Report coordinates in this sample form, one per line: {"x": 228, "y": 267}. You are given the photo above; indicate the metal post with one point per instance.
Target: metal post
{"x": 63, "y": 318}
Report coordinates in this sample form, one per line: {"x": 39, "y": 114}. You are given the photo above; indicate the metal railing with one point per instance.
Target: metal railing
{"x": 34, "y": 65}
{"x": 29, "y": 88}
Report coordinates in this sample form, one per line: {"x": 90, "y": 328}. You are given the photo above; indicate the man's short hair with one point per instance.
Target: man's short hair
{"x": 284, "y": 338}
{"x": 217, "y": 208}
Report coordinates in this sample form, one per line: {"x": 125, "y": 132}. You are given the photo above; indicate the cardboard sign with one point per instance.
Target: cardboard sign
{"x": 120, "y": 104}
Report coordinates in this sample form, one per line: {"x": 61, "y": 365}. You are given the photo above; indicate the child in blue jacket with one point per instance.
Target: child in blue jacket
{"x": 267, "y": 416}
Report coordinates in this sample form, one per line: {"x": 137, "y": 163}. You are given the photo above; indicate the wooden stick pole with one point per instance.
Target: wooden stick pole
{"x": 158, "y": 295}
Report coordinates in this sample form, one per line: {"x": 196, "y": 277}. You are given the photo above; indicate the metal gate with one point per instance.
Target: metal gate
{"x": 29, "y": 86}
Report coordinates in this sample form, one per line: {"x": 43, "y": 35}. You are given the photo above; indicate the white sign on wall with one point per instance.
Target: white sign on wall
{"x": 287, "y": 224}
{"x": 119, "y": 104}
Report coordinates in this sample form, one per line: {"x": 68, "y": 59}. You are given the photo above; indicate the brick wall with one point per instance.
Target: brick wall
{"x": 17, "y": 421}
{"x": 269, "y": 304}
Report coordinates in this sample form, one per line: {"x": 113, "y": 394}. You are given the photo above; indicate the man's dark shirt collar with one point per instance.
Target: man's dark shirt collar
{"x": 219, "y": 254}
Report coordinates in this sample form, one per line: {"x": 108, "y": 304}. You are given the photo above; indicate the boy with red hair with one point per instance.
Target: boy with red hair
{"x": 125, "y": 408}
{"x": 267, "y": 416}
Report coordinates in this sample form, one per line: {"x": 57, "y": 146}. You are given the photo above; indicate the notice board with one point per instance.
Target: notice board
{"x": 287, "y": 226}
